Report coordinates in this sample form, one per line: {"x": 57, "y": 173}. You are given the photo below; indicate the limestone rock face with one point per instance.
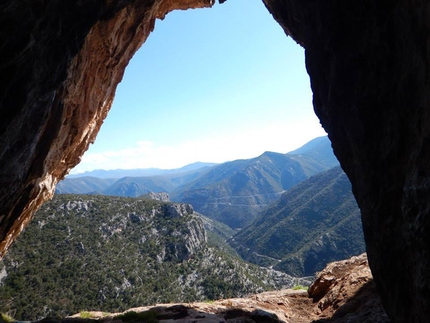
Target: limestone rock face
{"x": 159, "y": 196}
{"x": 368, "y": 62}
{"x": 196, "y": 234}
{"x": 178, "y": 210}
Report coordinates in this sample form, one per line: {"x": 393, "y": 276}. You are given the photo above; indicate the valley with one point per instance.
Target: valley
{"x": 313, "y": 223}
{"x": 111, "y": 253}
{"x": 232, "y": 193}
{"x": 204, "y": 232}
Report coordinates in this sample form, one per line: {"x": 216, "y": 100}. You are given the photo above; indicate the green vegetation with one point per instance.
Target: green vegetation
{"x": 105, "y": 253}
{"x": 315, "y": 222}
{"x": 300, "y": 287}
{"x": 218, "y": 234}
{"x": 109, "y": 253}
{"x": 85, "y": 315}
{"x": 6, "y": 318}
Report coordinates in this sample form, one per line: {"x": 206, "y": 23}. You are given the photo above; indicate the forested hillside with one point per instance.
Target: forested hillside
{"x": 234, "y": 192}
{"x": 315, "y": 222}
{"x": 112, "y": 253}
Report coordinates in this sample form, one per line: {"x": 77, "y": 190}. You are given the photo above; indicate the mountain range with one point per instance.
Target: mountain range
{"x": 288, "y": 214}
{"x": 232, "y": 192}
{"x": 130, "y": 186}
{"x": 260, "y": 197}
{"x": 119, "y": 173}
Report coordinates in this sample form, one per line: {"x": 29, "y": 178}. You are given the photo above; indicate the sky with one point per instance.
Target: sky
{"x": 209, "y": 85}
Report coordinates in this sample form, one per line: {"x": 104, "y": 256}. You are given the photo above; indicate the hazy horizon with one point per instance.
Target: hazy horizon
{"x": 186, "y": 165}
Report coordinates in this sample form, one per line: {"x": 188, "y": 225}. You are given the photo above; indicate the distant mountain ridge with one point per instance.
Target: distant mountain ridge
{"x": 318, "y": 152}
{"x": 85, "y": 184}
{"x": 234, "y": 192}
{"x": 132, "y": 186}
{"x": 138, "y": 172}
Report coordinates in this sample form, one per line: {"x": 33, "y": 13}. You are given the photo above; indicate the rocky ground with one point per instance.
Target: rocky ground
{"x": 343, "y": 292}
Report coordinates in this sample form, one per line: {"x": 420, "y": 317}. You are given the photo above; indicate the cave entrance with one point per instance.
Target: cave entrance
{"x": 208, "y": 85}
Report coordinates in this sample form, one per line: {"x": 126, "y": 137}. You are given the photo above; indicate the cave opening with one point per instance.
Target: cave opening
{"x": 208, "y": 85}
{"x": 368, "y": 63}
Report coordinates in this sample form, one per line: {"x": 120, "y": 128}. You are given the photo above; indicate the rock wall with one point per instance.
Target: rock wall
{"x": 369, "y": 66}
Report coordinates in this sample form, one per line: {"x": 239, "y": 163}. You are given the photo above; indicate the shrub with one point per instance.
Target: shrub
{"x": 7, "y": 318}
{"x": 299, "y": 287}
{"x": 85, "y": 315}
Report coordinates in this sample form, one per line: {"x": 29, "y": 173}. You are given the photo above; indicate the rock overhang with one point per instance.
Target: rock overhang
{"x": 368, "y": 64}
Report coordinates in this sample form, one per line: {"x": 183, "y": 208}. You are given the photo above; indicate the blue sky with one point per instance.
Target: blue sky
{"x": 208, "y": 85}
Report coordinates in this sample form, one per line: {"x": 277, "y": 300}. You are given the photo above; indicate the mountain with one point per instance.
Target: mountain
{"x": 218, "y": 235}
{"x": 136, "y": 186}
{"x": 139, "y": 172}
{"x": 110, "y": 253}
{"x": 270, "y": 174}
{"x": 131, "y": 186}
{"x": 86, "y": 184}
{"x": 315, "y": 148}
{"x": 234, "y": 192}
{"x": 315, "y": 155}
{"x": 315, "y": 222}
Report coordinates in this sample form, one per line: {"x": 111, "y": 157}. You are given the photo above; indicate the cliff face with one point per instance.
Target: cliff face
{"x": 369, "y": 66}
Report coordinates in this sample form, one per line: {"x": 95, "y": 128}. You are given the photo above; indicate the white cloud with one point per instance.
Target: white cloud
{"x": 225, "y": 147}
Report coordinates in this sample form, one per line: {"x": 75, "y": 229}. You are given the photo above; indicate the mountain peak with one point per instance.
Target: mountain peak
{"x": 314, "y": 144}
{"x": 271, "y": 153}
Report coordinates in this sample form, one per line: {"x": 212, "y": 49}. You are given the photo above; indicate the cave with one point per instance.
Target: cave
{"x": 369, "y": 66}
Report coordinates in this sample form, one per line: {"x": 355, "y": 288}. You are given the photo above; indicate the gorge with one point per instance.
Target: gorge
{"x": 368, "y": 63}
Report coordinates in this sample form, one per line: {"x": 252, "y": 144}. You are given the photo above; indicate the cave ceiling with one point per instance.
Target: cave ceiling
{"x": 369, "y": 67}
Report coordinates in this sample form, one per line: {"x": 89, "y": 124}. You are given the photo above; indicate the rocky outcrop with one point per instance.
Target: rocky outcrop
{"x": 368, "y": 62}
{"x": 345, "y": 292}
{"x": 160, "y": 196}
{"x": 176, "y": 210}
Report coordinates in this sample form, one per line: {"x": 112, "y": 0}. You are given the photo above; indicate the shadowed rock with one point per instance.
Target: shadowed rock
{"x": 368, "y": 62}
